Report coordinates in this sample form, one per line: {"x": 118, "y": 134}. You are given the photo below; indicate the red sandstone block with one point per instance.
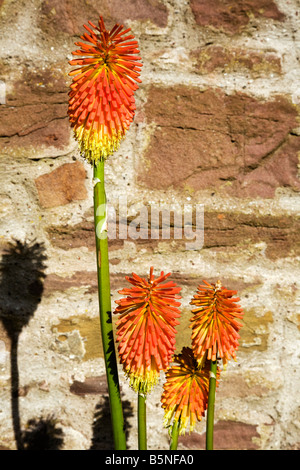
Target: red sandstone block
{"x": 232, "y": 16}
{"x": 235, "y": 144}
{"x": 228, "y": 435}
{"x": 62, "y": 186}
{"x": 231, "y": 231}
{"x": 217, "y": 58}
{"x": 67, "y": 16}
{"x": 35, "y": 112}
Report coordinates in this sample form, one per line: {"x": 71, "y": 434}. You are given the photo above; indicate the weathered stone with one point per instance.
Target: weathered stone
{"x": 280, "y": 234}
{"x": 232, "y": 16}
{"x": 67, "y": 16}
{"x": 235, "y": 143}
{"x": 221, "y": 231}
{"x": 235, "y": 386}
{"x": 215, "y": 58}
{"x": 89, "y": 331}
{"x": 88, "y": 279}
{"x": 23, "y": 391}
{"x": 235, "y": 435}
{"x": 63, "y": 185}
{"x": 44, "y": 386}
{"x": 232, "y": 284}
{"x": 76, "y": 236}
{"x": 255, "y": 331}
{"x": 54, "y": 283}
{"x": 228, "y": 435}
{"x": 91, "y": 386}
{"x": 140, "y": 10}
{"x": 35, "y": 112}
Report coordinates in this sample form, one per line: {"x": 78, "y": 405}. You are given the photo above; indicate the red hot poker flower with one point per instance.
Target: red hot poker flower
{"x": 146, "y": 328}
{"x": 101, "y": 104}
{"x": 215, "y": 322}
{"x": 185, "y": 395}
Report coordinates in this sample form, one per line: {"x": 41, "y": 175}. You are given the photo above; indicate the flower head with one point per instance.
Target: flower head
{"x": 101, "y": 104}
{"x": 146, "y": 328}
{"x": 215, "y": 322}
{"x": 185, "y": 395}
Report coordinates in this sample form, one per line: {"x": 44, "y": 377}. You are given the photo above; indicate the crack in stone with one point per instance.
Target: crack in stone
{"x": 265, "y": 158}
{"x": 33, "y": 103}
{"x": 25, "y": 134}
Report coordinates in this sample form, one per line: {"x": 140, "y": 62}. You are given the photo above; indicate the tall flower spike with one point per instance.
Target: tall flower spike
{"x": 101, "y": 104}
{"x": 146, "y": 328}
{"x": 185, "y": 395}
{"x": 214, "y": 324}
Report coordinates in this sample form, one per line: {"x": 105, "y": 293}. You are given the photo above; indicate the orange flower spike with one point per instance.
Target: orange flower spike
{"x": 215, "y": 322}
{"x": 185, "y": 394}
{"x": 102, "y": 104}
{"x": 146, "y": 328}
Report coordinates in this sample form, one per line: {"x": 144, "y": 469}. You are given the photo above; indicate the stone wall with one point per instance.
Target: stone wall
{"x": 217, "y": 124}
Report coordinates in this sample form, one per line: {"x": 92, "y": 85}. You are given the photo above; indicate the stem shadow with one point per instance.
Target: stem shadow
{"x": 21, "y": 286}
{"x": 102, "y": 428}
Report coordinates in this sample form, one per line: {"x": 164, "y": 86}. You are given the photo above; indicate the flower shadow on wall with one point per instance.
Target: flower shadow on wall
{"x": 21, "y": 286}
{"x": 42, "y": 434}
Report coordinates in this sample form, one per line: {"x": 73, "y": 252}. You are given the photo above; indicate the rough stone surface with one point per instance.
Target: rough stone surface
{"x": 235, "y": 60}
{"x": 68, "y": 16}
{"x": 34, "y": 114}
{"x": 248, "y": 150}
{"x": 91, "y": 385}
{"x": 216, "y": 128}
{"x": 224, "y": 437}
{"x": 62, "y": 186}
{"x": 232, "y": 16}
{"x": 280, "y": 235}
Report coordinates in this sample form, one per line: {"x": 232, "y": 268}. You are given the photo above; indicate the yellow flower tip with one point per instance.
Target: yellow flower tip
{"x": 215, "y": 323}
{"x": 185, "y": 394}
{"x": 143, "y": 383}
{"x": 146, "y": 328}
{"x": 95, "y": 147}
{"x": 101, "y": 99}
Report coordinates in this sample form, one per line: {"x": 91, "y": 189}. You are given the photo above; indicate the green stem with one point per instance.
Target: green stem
{"x": 100, "y": 218}
{"x": 142, "y": 425}
{"x": 174, "y": 435}
{"x": 211, "y": 406}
